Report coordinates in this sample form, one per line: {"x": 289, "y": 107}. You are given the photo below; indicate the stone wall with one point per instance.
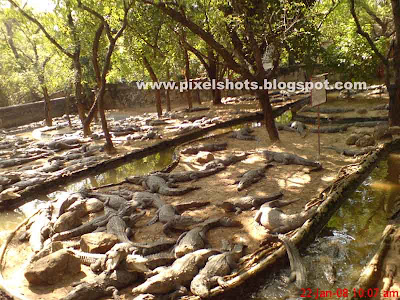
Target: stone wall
{"x": 17, "y": 115}
{"x": 118, "y": 97}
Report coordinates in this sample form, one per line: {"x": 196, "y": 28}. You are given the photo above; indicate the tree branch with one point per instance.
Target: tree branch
{"x": 361, "y": 32}
{"x": 35, "y": 21}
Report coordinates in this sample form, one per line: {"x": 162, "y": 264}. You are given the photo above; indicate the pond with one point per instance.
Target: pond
{"x": 350, "y": 238}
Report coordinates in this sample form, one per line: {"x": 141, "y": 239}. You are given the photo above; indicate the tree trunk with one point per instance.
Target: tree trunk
{"x": 109, "y": 147}
{"x": 167, "y": 96}
{"x": 67, "y": 106}
{"x": 213, "y": 75}
{"x": 187, "y": 77}
{"x": 268, "y": 118}
{"x": 155, "y": 79}
{"x": 47, "y": 109}
{"x": 394, "y": 92}
{"x": 78, "y": 93}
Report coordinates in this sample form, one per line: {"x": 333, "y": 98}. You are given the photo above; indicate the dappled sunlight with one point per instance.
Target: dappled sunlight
{"x": 384, "y": 186}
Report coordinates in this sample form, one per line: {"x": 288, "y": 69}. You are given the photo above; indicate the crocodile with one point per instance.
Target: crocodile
{"x": 299, "y": 127}
{"x": 112, "y": 259}
{"x": 145, "y": 264}
{"x": 40, "y": 229}
{"x": 290, "y": 159}
{"x": 206, "y": 147}
{"x": 23, "y": 184}
{"x": 179, "y": 274}
{"x": 103, "y": 285}
{"x": 117, "y": 226}
{"x": 243, "y": 134}
{"x": 169, "y": 216}
{"x": 113, "y": 201}
{"x": 250, "y": 177}
{"x": 350, "y": 152}
{"x": 6, "y": 163}
{"x": 51, "y": 167}
{"x": 330, "y": 129}
{"x": 86, "y": 227}
{"x": 189, "y": 175}
{"x": 6, "y": 179}
{"x": 196, "y": 238}
{"x": 298, "y": 270}
{"x": 226, "y": 161}
{"x": 247, "y": 202}
{"x": 158, "y": 185}
{"x": 276, "y": 221}
{"x": 217, "y": 266}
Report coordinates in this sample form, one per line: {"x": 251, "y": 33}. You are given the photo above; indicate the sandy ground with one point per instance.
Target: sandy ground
{"x": 296, "y": 182}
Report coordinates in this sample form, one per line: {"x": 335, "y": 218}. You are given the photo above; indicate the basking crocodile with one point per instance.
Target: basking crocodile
{"x": 196, "y": 238}
{"x": 179, "y": 274}
{"x": 226, "y": 161}
{"x": 169, "y": 216}
{"x": 102, "y": 285}
{"x": 298, "y": 270}
{"x": 289, "y": 159}
{"x": 276, "y": 221}
{"x": 117, "y": 226}
{"x": 207, "y": 147}
{"x": 138, "y": 263}
{"x": 351, "y": 152}
{"x": 88, "y": 227}
{"x": 250, "y": 177}
{"x": 299, "y": 127}
{"x": 330, "y": 129}
{"x": 216, "y": 268}
{"x": 139, "y": 199}
{"x": 40, "y": 229}
{"x": 247, "y": 202}
{"x": 243, "y": 134}
{"x": 189, "y": 175}
{"x": 158, "y": 185}
{"x": 6, "y": 163}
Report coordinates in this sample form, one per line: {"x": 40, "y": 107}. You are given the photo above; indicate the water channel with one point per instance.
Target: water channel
{"x": 350, "y": 238}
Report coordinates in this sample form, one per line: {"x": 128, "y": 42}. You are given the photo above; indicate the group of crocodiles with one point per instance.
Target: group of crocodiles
{"x": 168, "y": 266}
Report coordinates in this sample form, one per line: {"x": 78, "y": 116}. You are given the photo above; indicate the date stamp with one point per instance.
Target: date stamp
{"x": 344, "y": 293}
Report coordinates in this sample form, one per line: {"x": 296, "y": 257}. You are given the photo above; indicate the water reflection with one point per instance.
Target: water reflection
{"x": 148, "y": 164}
{"x": 350, "y": 238}
{"x": 8, "y": 221}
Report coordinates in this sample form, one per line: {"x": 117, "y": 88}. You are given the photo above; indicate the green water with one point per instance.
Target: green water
{"x": 146, "y": 165}
{"x": 354, "y": 234}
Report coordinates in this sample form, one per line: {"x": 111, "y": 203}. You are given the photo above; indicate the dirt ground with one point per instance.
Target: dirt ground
{"x": 296, "y": 182}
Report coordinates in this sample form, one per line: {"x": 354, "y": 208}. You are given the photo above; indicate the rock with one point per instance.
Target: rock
{"x": 352, "y": 139}
{"x": 204, "y": 157}
{"x": 365, "y": 141}
{"x": 52, "y": 268}
{"x": 98, "y": 242}
{"x": 93, "y": 205}
{"x": 382, "y": 132}
{"x": 362, "y": 111}
{"x": 395, "y": 130}
{"x": 9, "y": 194}
{"x": 67, "y": 221}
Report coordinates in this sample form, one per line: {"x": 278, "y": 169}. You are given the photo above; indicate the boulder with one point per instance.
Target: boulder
{"x": 52, "y": 268}
{"x": 93, "y": 205}
{"x": 67, "y": 221}
{"x": 204, "y": 157}
{"x": 352, "y": 139}
{"x": 365, "y": 141}
{"x": 98, "y": 242}
{"x": 362, "y": 111}
{"x": 382, "y": 132}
